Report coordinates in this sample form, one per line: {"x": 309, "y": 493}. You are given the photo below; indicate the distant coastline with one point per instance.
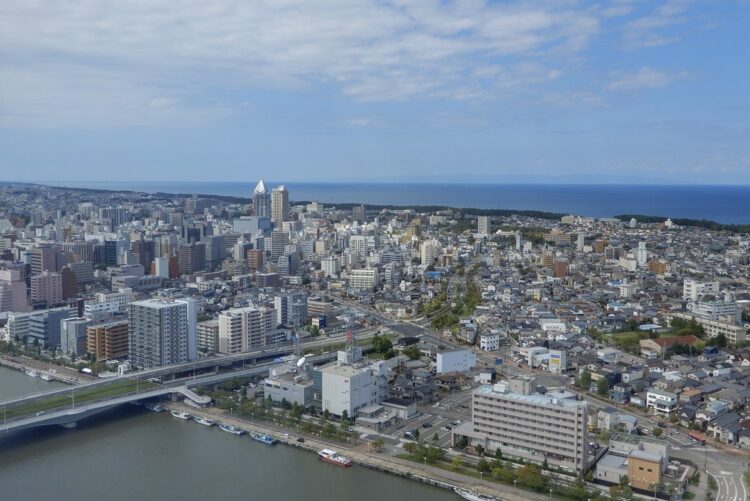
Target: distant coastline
{"x": 731, "y": 201}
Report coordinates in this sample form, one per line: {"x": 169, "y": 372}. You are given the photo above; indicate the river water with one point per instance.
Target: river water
{"x": 132, "y": 454}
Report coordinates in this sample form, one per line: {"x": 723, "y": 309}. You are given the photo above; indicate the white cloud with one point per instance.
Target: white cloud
{"x": 644, "y": 78}
{"x": 154, "y": 52}
{"x": 647, "y": 31}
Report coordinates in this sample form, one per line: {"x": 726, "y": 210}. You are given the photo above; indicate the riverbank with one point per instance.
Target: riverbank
{"x": 359, "y": 454}
{"x": 55, "y": 374}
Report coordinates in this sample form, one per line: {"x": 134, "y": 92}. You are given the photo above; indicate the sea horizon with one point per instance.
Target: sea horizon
{"x": 728, "y": 204}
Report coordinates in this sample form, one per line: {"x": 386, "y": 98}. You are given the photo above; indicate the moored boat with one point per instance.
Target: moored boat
{"x": 204, "y": 421}
{"x": 472, "y": 496}
{"x": 181, "y": 414}
{"x": 46, "y": 376}
{"x": 334, "y": 457}
{"x": 231, "y": 429}
{"x": 32, "y": 373}
{"x": 266, "y": 439}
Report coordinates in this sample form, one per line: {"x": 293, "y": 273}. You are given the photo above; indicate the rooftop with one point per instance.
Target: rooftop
{"x": 541, "y": 400}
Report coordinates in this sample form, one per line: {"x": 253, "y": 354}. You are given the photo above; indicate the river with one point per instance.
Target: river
{"x": 132, "y": 454}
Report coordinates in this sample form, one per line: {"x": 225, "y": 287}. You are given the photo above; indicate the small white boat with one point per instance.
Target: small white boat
{"x": 32, "y": 373}
{"x": 472, "y": 496}
{"x": 334, "y": 457}
{"x": 46, "y": 376}
{"x": 181, "y": 415}
{"x": 231, "y": 429}
{"x": 204, "y": 421}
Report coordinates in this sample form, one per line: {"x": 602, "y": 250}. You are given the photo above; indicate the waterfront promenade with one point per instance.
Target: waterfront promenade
{"x": 361, "y": 456}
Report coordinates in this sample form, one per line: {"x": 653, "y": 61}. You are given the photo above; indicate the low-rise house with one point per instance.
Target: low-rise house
{"x": 725, "y": 428}
{"x": 661, "y": 401}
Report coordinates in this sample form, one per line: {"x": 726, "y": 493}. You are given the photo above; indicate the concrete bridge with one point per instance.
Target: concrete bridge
{"x": 59, "y": 407}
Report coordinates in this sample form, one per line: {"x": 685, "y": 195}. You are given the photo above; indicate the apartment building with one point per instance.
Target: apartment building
{"x": 510, "y": 417}
{"x": 108, "y": 340}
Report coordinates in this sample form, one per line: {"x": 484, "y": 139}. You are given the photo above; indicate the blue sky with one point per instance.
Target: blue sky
{"x": 534, "y": 91}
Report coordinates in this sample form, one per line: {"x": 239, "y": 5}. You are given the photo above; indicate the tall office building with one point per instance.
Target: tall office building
{"x": 484, "y": 225}
{"x": 162, "y": 332}
{"x": 279, "y": 241}
{"x": 73, "y": 335}
{"x": 261, "y": 200}
{"x": 12, "y": 290}
{"x": 359, "y": 213}
{"x": 550, "y": 428}
{"x": 254, "y": 260}
{"x": 79, "y": 250}
{"x": 46, "y": 258}
{"x": 279, "y": 205}
{"x": 143, "y": 252}
{"x": 192, "y": 258}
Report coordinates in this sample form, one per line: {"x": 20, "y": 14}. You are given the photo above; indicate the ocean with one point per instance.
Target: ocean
{"x": 724, "y": 204}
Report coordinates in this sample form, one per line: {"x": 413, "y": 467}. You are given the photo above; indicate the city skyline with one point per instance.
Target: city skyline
{"x": 537, "y": 91}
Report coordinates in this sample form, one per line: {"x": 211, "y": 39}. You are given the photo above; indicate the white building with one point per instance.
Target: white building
{"x": 692, "y": 290}
{"x": 484, "y": 225}
{"x": 330, "y": 266}
{"x": 246, "y": 329}
{"x": 661, "y": 401}
{"x": 489, "y": 341}
{"x": 641, "y": 255}
{"x": 428, "y": 252}
{"x": 358, "y": 245}
{"x": 12, "y": 291}
{"x": 364, "y": 279}
{"x": 350, "y": 387}
{"x": 716, "y": 310}
{"x": 455, "y": 361}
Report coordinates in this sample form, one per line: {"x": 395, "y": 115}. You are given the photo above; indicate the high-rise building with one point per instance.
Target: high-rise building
{"x": 641, "y": 255}
{"x": 79, "y": 250}
{"x": 162, "y": 332}
{"x": 73, "y": 335}
{"x": 108, "y": 340}
{"x": 279, "y": 205}
{"x": 47, "y": 288}
{"x": 12, "y": 291}
{"x": 69, "y": 283}
{"x": 560, "y": 268}
{"x": 279, "y": 241}
{"x": 359, "y": 213}
{"x": 428, "y": 252}
{"x": 291, "y": 309}
{"x": 47, "y": 258}
{"x": 484, "y": 225}
{"x": 261, "y": 200}
{"x": 192, "y": 258}
{"x": 358, "y": 245}
{"x": 551, "y": 428}
{"x": 143, "y": 252}
{"x": 254, "y": 260}
{"x": 330, "y": 266}
{"x": 246, "y": 329}
{"x": 208, "y": 337}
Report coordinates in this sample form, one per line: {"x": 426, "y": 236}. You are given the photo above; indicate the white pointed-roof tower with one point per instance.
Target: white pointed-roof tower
{"x": 260, "y": 187}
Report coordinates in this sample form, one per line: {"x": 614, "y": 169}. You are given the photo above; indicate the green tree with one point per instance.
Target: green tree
{"x": 410, "y": 448}
{"x": 657, "y": 431}
{"x": 457, "y": 462}
{"x": 483, "y": 466}
{"x": 602, "y": 387}
{"x": 584, "y": 379}
{"x": 377, "y": 445}
{"x": 412, "y": 352}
